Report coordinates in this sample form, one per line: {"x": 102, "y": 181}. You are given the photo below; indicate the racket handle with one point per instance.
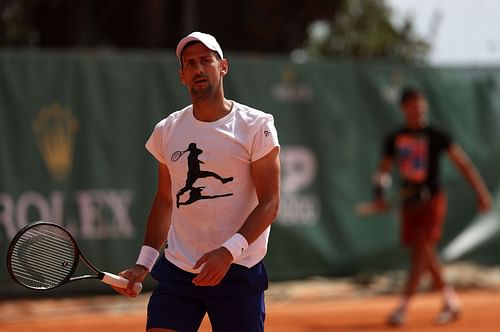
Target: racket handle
{"x": 117, "y": 281}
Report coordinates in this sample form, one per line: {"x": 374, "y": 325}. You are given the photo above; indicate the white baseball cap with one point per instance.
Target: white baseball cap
{"x": 208, "y": 40}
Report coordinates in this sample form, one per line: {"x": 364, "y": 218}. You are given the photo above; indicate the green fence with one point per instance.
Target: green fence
{"x": 73, "y": 128}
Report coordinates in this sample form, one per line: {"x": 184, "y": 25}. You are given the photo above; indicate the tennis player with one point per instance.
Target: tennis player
{"x": 416, "y": 148}
{"x": 214, "y": 204}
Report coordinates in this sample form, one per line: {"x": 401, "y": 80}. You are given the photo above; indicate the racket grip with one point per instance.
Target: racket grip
{"x": 117, "y": 281}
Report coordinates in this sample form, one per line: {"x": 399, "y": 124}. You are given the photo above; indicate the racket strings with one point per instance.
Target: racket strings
{"x": 43, "y": 257}
{"x": 176, "y": 155}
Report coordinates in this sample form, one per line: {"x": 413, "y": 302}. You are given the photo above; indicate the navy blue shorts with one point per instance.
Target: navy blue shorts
{"x": 235, "y": 304}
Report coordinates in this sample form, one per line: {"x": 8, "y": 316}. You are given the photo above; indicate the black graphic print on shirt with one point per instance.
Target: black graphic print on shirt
{"x": 193, "y": 174}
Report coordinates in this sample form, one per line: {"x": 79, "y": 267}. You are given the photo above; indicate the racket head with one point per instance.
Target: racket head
{"x": 176, "y": 155}
{"x": 42, "y": 256}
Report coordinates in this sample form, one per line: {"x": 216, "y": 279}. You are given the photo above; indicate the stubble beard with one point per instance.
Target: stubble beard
{"x": 202, "y": 93}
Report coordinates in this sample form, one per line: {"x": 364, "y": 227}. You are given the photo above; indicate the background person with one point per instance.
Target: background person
{"x": 416, "y": 149}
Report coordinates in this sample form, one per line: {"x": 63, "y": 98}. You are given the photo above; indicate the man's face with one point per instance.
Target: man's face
{"x": 415, "y": 110}
{"x": 202, "y": 70}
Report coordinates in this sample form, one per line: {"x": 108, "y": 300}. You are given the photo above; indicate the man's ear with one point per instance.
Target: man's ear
{"x": 224, "y": 67}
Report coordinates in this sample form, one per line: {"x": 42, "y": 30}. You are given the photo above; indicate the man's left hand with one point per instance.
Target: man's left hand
{"x": 217, "y": 264}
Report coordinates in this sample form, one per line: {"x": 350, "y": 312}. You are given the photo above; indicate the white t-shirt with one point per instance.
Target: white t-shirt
{"x": 212, "y": 188}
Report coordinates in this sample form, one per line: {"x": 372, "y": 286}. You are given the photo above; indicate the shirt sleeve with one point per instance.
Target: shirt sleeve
{"x": 444, "y": 139}
{"x": 155, "y": 142}
{"x": 265, "y": 139}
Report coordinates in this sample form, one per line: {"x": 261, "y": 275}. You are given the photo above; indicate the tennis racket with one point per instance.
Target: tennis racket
{"x": 44, "y": 255}
{"x": 176, "y": 155}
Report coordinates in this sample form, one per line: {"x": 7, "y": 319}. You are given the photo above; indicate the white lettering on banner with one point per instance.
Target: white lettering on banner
{"x": 35, "y": 201}
{"x": 100, "y": 214}
{"x": 57, "y": 207}
{"x": 293, "y": 93}
{"x": 298, "y": 165}
{"x": 98, "y": 207}
{"x": 297, "y": 209}
{"x": 7, "y": 215}
{"x": 299, "y": 168}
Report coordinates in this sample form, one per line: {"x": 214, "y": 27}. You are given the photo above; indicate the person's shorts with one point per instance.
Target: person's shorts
{"x": 235, "y": 304}
{"x": 424, "y": 221}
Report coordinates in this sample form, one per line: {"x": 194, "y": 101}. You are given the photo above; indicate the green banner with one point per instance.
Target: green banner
{"x": 73, "y": 128}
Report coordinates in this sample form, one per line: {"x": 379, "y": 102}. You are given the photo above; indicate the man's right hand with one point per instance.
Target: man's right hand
{"x": 136, "y": 273}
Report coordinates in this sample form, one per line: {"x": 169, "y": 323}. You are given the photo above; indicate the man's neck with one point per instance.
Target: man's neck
{"x": 210, "y": 111}
{"x": 416, "y": 125}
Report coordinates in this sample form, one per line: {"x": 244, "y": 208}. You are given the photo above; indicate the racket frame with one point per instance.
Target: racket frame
{"x": 77, "y": 254}
{"x": 177, "y": 155}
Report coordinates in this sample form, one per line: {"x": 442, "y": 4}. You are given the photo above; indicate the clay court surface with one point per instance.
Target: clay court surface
{"x": 481, "y": 314}
{"x": 314, "y": 305}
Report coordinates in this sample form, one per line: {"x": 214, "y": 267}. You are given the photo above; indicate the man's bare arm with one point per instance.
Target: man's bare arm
{"x": 159, "y": 220}
{"x": 381, "y": 180}
{"x": 468, "y": 170}
{"x": 266, "y": 178}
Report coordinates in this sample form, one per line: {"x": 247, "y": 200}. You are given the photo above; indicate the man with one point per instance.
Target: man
{"x": 416, "y": 149}
{"x": 218, "y": 193}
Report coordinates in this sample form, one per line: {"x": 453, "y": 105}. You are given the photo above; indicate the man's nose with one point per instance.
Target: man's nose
{"x": 198, "y": 67}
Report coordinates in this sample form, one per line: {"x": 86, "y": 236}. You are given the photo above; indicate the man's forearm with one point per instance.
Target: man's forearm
{"x": 259, "y": 219}
{"x": 158, "y": 225}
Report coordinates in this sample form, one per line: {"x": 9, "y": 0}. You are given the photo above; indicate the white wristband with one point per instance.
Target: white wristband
{"x": 236, "y": 244}
{"x": 147, "y": 257}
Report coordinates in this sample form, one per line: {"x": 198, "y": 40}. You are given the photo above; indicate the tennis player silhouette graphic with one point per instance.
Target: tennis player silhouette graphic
{"x": 194, "y": 173}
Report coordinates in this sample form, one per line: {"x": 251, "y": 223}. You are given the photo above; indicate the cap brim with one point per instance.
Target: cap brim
{"x": 208, "y": 40}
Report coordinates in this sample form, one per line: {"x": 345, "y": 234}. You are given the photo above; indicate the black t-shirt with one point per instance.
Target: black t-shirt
{"x": 416, "y": 153}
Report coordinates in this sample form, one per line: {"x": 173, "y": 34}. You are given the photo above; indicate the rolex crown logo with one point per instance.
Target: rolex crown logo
{"x": 55, "y": 131}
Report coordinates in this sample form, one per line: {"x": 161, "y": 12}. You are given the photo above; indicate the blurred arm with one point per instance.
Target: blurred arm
{"x": 466, "y": 167}
{"x": 382, "y": 177}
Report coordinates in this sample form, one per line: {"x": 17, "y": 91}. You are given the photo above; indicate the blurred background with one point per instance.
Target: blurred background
{"x": 83, "y": 82}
